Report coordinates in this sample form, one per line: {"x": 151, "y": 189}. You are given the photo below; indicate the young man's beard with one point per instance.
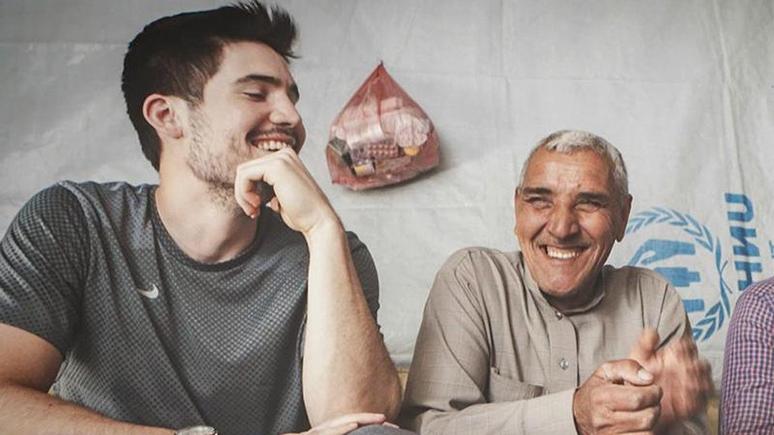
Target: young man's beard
{"x": 218, "y": 171}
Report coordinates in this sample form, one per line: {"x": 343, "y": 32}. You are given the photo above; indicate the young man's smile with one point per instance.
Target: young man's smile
{"x": 247, "y": 112}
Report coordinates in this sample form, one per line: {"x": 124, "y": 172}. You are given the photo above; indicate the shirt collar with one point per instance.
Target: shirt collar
{"x": 535, "y": 290}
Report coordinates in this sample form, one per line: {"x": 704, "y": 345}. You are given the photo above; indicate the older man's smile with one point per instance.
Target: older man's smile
{"x": 558, "y": 253}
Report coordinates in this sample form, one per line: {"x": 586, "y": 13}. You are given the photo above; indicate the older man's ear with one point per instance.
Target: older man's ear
{"x": 515, "y": 204}
{"x": 626, "y": 207}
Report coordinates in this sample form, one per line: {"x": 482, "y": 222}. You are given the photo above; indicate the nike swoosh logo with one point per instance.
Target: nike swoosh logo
{"x": 150, "y": 294}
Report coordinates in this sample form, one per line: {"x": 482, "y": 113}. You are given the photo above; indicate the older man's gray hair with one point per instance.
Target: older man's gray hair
{"x": 572, "y": 141}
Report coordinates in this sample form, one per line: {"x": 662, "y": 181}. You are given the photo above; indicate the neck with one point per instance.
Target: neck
{"x": 204, "y": 221}
{"x": 578, "y": 299}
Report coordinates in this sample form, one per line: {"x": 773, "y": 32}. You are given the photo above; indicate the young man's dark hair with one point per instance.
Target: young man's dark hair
{"x": 191, "y": 305}
{"x": 177, "y": 55}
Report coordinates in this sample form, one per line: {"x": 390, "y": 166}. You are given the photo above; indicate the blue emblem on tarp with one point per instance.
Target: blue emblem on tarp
{"x": 674, "y": 260}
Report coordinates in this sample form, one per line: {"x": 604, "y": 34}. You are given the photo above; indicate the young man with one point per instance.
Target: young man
{"x": 538, "y": 341}
{"x": 189, "y": 303}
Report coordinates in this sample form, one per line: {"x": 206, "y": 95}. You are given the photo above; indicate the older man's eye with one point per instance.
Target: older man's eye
{"x": 588, "y": 206}
{"x": 538, "y": 202}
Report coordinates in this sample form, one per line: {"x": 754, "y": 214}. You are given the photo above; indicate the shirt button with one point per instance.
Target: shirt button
{"x": 558, "y": 315}
{"x": 563, "y": 364}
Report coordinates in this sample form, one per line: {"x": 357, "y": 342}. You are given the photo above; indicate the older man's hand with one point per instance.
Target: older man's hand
{"x": 684, "y": 377}
{"x": 619, "y": 397}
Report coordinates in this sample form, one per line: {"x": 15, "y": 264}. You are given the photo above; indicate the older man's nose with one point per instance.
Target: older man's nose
{"x": 563, "y": 223}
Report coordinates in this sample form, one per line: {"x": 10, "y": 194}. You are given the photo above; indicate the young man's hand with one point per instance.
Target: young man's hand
{"x": 298, "y": 198}
{"x": 346, "y": 424}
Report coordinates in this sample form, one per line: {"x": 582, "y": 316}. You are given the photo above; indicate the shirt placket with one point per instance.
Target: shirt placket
{"x": 563, "y": 365}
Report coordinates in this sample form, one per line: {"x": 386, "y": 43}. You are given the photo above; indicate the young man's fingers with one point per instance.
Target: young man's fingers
{"x": 245, "y": 189}
{"x": 361, "y": 418}
{"x": 275, "y": 205}
{"x": 341, "y": 429}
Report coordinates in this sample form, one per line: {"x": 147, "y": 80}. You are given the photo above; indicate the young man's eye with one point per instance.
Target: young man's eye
{"x": 257, "y": 96}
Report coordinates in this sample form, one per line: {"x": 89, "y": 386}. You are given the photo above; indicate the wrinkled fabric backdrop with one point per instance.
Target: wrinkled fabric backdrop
{"x": 684, "y": 88}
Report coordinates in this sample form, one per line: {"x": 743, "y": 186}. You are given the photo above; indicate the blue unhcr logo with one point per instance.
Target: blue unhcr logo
{"x": 675, "y": 260}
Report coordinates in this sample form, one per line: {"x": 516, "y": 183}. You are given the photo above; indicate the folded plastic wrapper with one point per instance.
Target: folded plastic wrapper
{"x": 381, "y": 137}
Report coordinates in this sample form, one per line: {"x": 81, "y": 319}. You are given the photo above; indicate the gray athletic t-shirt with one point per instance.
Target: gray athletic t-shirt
{"x": 148, "y": 334}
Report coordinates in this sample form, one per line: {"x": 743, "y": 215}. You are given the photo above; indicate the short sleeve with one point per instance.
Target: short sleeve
{"x": 43, "y": 264}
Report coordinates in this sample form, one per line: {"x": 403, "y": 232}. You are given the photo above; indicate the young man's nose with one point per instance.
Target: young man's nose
{"x": 284, "y": 112}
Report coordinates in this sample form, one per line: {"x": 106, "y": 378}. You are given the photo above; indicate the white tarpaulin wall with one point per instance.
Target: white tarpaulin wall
{"x": 684, "y": 88}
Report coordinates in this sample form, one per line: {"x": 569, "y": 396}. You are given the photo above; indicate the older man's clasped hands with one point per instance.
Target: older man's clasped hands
{"x": 647, "y": 392}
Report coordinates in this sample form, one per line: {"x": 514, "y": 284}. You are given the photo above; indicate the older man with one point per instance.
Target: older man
{"x": 550, "y": 340}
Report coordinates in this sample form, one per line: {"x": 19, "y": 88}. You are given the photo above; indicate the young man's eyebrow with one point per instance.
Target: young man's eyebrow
{"x": 271, "y": 80}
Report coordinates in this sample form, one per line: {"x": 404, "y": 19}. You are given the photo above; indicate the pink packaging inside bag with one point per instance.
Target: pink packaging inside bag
{"x": 381, "y": 137}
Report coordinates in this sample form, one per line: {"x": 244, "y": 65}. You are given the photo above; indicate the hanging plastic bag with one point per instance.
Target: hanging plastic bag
{"x": 381, "y": 137}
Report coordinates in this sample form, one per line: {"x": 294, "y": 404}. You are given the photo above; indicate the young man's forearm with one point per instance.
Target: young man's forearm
{"x": 24, "y": 410}
{"x": 346, "y": 366}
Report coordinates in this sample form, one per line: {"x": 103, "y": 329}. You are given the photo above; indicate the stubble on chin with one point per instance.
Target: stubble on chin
{"x": 217, "y": 176}
{"x": 222, "y": 196}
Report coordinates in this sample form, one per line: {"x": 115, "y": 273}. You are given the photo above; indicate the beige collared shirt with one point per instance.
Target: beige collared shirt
{"x": 494, "y": 357}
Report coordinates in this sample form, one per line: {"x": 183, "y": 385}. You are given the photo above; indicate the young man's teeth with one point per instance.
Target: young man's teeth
{"x": 562, "y": 254}
{"x": 271, "y": 145}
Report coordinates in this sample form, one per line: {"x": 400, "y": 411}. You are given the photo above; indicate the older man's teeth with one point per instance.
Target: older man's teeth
{"x": 562, "y": 254}
{"x": 271, "y": 145}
